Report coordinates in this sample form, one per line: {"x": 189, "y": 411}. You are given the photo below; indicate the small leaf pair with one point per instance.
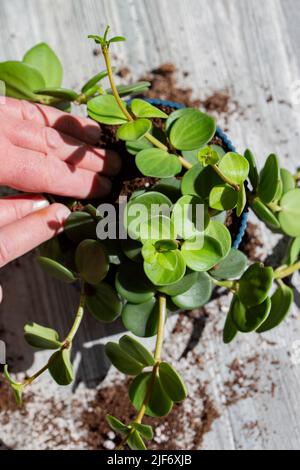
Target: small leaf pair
{"x": 129, "y": 356}
{"x": 135, "y": 432}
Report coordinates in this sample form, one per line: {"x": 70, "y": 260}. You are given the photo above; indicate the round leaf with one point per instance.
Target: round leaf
{"x": 253, "y": 172}
{"x": 219, "y": 232}
{"x": 104, "y": 304}
{"x": 235, "y": 167}
{"x": 255, "y": 284}
{"x": 192, "y": 130}
{"x": 169, "y": 267}
{"x": 135, "y": 146}
{"x": 63, "y": 94}
{"x": 189, "y": 216}
{"x": 105, "y": 109}
{"x": 121, "y": 360}
{"x": 176, "y": 115}
{"x": 44, "y": 59}
{"x": 159, "y": 403}
{"x": 201, "y": 253}
{"x": 223, "y": 197}
{"x": 230, "y": 330}
{"x": 132, "y": 284}
{"x": 91, "y": 261}
{"x": 141, "y": 319}
{"x": 172, "y": 383}
{"x": 289, "y": 216}
{"x": 189, "y": 279}
{"x": 248, "y": 319}
{"x": 281, "y": 302}
{"x": 20, "y": 80}
{"x": 142, "y": 109}
{"x": 61, "y": 368}
{"x": 79, "y": 226}
{"x": 200, "y": 181}
{"x": 41, "y": 337}
{"x": 264, "y": 213}
{"x": 293, "y": 251}
{"x": 197, "y": 295}
{"x": 134, "y": 130}
{"x": 56, "y": 269}
{"x": 269, "y": 179}
{"x": 157, "y": 228}
{"x": 157, "y": 163}
{"x": 231, "y": 267}
{"x": 288, "y": 181}
{"x": 141, "y": 208}
{"x": 136, "y": 350}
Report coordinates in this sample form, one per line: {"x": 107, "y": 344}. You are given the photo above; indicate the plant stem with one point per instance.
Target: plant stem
{"x": 105, "y": 51}
{"x": 225, "y": 178}
{"x": 282, "y": 273}
{"x": 78, "y": 319}
{"x": 67, "y": 342}
{"x": 227, "y": 284}
{"x": 153, "y": 140}
{"x": 157, "y": 357}
{"x": 274, "y": 207}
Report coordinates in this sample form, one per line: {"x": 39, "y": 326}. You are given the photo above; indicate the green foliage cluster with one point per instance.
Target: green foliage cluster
{"x": 144, "y": 279}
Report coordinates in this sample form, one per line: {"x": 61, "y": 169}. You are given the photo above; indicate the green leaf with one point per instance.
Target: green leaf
{"x": 230, "y": 330}
{"x": 157, "y": 228}
{"x": 177, "y": 114}
{"x": 44, "y": 59}
{"x": 105, "y": 109}
{"x": 135, "y": 442}
{"x": 288, "y": 181}
{"x": 169, "y": 267}
{"x": 289, "y": 216}
{"x": 41, "y": 337}
{"x": 134, "y": 88}
{"x": 56, "y": 269}
{"x": 79, "y": 226}
{"x": 20, "y": 80}
{"x": 170, "y": 187}
{"x": 117, "y": 39}
{"x": 231, "y": 267}
{"x": 162, "y": 246}
{"x": 264, "y": 213}
{"x": 183, "y": 285}
{"x": 134, "y": 130}
{"x": 117, "y": 425}
{"x": 60, "y": 367}
{"x": 255, "y": 284}
{"x": 147, "y": 202}
{"x": 200, "y": 181}
{"x": 269, "y": 179}
{"x": 253, "y": 172}
{"x": 242, "y": 200}
{"x": 235, "y": 167}
{"x": 189, "y": 216}
{"x": 135, "y": 146}
{"x": 141, "y": 319}
{"x": 121, "y": 360}
{"x": 159, "y": 403}
{"x": 190, "y": 180}
{"x": 197, "y": 295}
{"x": 248, "y": 319}
{"x": 132, "y": 284}
{"x": 201, "y": 253}
{"x": 91, "y": 261}
{"x": 281, "y": 302}
{"x": 94, "y": 80}
{"x": 144, "y": 429}
{"x": 172, "y": 383}
{"x": 219, "y": 232}
{"x": 192, "y": 130}
{"x": 142, "y": 109}
{"x": 17, "y": 387}
{"x": 63, "y": 94}
{"x": 136, "y": 350}
{"x": 223, "y": 197}
{"x": 293, "y": 251}
{"x": 104, "y": 303}
{"x": 157, "y": 163}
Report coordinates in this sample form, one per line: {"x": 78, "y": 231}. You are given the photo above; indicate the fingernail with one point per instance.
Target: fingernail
{"x": 93, "y": 133}
{"x": 39, "y": 203}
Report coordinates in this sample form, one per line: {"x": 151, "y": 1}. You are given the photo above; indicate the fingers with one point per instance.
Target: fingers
{"x": 16, "y": 207}
{"x": 81, "y": 128}
{"x": 31, "y": 171}
{"x": 25, "y": 234}
{"x": 30, "y": 135}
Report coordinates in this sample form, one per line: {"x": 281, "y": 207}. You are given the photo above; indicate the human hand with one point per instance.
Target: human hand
{"x": 43, "y": 149}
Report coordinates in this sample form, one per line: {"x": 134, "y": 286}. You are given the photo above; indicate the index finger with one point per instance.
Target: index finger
{"x": 83, "y": 129}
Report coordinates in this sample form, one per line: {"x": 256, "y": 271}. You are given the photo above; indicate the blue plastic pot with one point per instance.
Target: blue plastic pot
{"x": 219, "y": 133}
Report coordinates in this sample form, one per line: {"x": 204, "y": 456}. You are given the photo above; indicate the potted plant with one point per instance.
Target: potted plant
{"x": 170, "y": 244}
